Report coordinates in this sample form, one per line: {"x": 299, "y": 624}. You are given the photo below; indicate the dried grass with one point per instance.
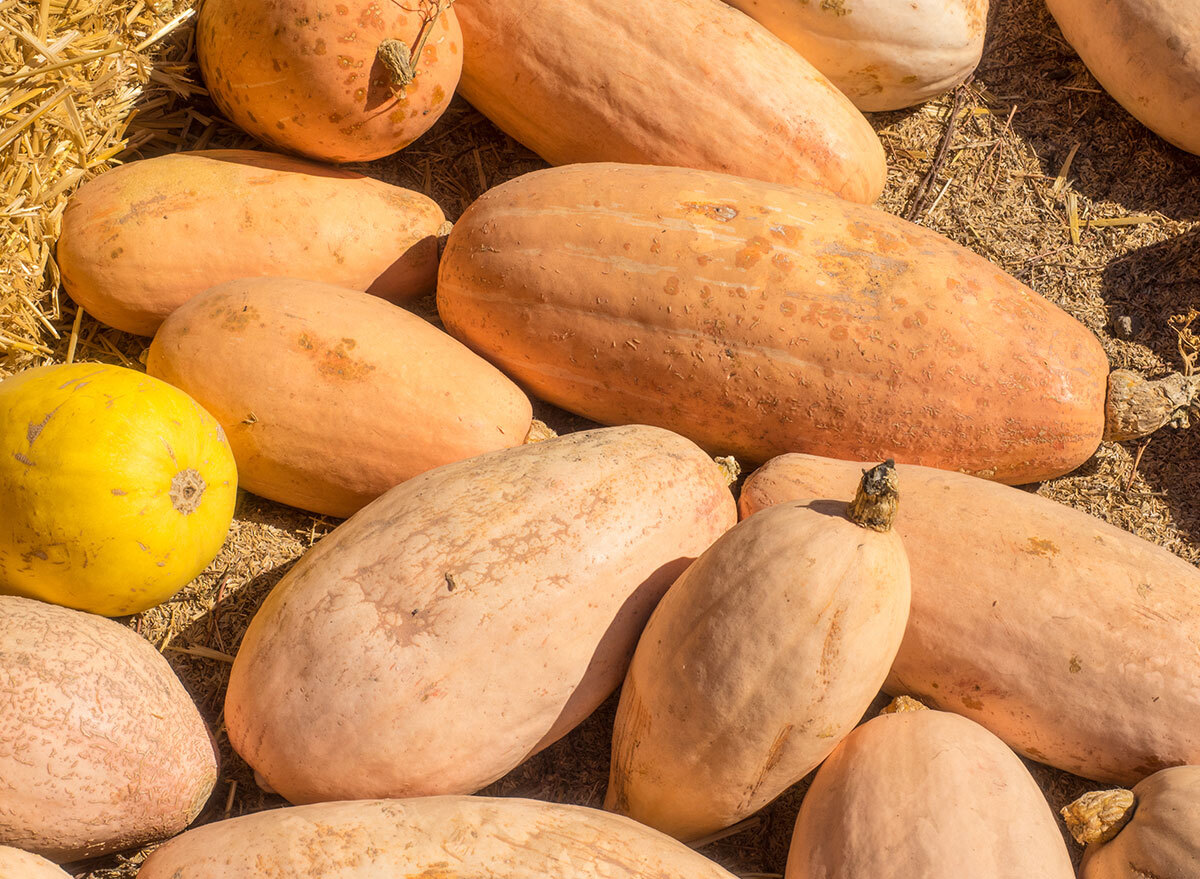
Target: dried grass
{"x": 1042, "y": 173}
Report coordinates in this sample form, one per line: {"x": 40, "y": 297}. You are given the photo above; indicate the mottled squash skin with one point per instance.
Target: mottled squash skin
{"x": 758, "y": 319}
{"x": 1146, "y": 54}
{"x": 1162, "y": 839}
{"x": 469, "y": 617}
{"x": 757, "y": 662}
{"x": 882, "y": 54}
{"x": 101, "y": 748}
{"x": 305, "y": 76}
{"x": 330, "y": 396}
{"x": 1070, "y": 639}
{"x": 140, "y": 240}
{"x": 429, "y": 838}
{"x": 17, "y": 864}
{"x": 925, "y": 795}
{"x": 690, "y": 82}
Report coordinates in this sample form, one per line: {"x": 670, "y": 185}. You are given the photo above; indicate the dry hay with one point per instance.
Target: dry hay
{"x": 1042, "y": 173}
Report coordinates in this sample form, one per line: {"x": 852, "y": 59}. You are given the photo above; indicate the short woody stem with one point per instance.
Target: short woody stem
{"x": 874, "y": 506}
{"x": 1099, "y": 816}
{"x": 400, "y": 61}
{"x": 904, "y": 704}
{"x": 1137, "y": 406}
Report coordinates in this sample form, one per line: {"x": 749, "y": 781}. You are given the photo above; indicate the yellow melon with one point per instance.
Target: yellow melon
{"x": 116, "y": 489}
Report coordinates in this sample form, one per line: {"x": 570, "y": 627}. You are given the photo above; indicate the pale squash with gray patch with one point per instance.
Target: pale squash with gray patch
{"x": 882, "y": 54}
{"x": 759, "y": 660}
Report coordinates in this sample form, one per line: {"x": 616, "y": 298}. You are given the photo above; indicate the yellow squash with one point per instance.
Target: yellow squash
{"x": 116, "y": 489}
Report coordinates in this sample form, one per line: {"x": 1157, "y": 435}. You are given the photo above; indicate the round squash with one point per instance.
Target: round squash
{"x": 101, "y": 748}
{"x": 470, "y": 617}
{"x": 1146, "y": 54}
{"x": 17, "y": 864}
{"x": 142, "y": 239}
{"x": 757, "y": 320}
{"x": 759, "y": 660}
{"x": 334, "y": 80}
{"x": 1151, "y": 831}
{"x": 431, "y": 838}
{"x": 116, "y": 489}
{"x": 1070, "y": 639}
{"x": 329, "y": 396}
{"x": 919, "y": 793}
{"x": 692, "y": 83}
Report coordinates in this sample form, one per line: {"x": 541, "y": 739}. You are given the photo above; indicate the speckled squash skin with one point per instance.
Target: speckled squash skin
{"x": 925, "y": 794}
{"x": 1070, "y": 639}
{"x": 469, "y": 617}
{"x": 17, "y": 864}
{"x": 758, "y": 319}
{"x": 756, "y": 663}
{"x": 116, "y": 489}
{"x": 101, "y": 748}
{"x": 882, "y": 54}
{"x": 691, "y": 83}
{"x": 442, "y": 837}
{"x": 330, "y": 396}
{"x": 1162, "y": 840}
{"x": 140, "y": 240}
{"x": 305, "y": 75}
{"x": 1146, "y": 54}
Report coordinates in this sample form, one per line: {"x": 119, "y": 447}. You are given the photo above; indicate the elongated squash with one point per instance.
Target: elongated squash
{"x": 469, "y": 617}
{"x": 330, "y": 396}
{"x": 691, "y": 82}
{"x": 101, "y": 748}
{"x": 1072, "y": 640}
{"x": 759, "y": 660}
{"x": 17, "y": 864}
{"x": 1151, "y": 831}
{"x": 1146, "y": 54}
{"x": 919, "y": 793}
{"x": 882, "y": 54}
{"x": 142, "y": 239}
{"x": 757, "y": 319}
{"x": 336, "y": 80}
{"x": 443, "y": 837}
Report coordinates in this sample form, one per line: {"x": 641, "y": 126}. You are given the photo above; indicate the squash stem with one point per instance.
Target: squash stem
{"x": 1138, "y": 406}
{"x": 874, "y": 506}
{"x": 1099, "y": 816}
{"x": 904, "y": 704}
{"x": 400, "y": 61}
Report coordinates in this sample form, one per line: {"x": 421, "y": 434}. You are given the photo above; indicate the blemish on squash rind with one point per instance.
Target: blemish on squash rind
{"x": 972, "y": 703}
{"x": 1044, "y": 548}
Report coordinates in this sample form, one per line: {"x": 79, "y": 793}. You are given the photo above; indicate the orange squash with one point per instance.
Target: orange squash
{"x": 925, "y": 795}
{"x": 334, "y": 80}
{"x": 1146, "y": 54}
{"x": 882, "y": 54}
{"x": 17, "y": 864}
{"x": 469, "y": 617}
{"x": 442, "y": 837}
{"x": 1070, "y": 639}
{"x": 690, "y": 82}
{"x": 759, "y": 660}
{"x": 329, "y": 396}
{"x": 757, "y": 319}
{"x": 1151, "y": 831}
{"x": 142, "y": 239}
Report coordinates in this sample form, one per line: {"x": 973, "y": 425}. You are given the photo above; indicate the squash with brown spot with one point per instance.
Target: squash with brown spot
{"x": 1151, "y": 832}
{"x": 1146, "y": 54}
{"x": 692, "y": 83}
{"x": 101, "y": 748}
{"x": 1070, "y": 639}
{"x": 469, "y": 617}
{"x": 883, "y": 54}
{"x": 925, "y": 795}
{"x": 759, "y": 660}
{"x": 329, "y": 396}
{"x": 144, "y": 238}
{"x": 428, "y": 838}
{"x": 334, "y": 81}
{"x": 758, "y": 319}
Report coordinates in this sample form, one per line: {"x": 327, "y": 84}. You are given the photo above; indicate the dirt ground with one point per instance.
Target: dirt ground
{"x": 1036, "y": 149}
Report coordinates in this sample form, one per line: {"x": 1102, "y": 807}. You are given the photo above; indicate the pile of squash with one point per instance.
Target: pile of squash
{"x": 704, "y": 274}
